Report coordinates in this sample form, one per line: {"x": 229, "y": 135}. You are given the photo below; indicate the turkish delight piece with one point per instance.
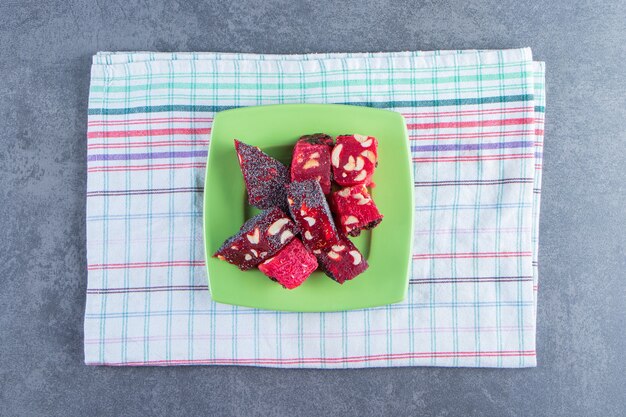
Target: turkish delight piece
{"x": 354, "y": 159}
{"x": 291, "y": 266}
{"x": 265, "y": 177}
{"x": 259, "y": 238}
{"x": 342, "y": 261}
{"x": 311, "y": 160}
{"x": 354, "y": 210}
{"x": 310, "y": 210}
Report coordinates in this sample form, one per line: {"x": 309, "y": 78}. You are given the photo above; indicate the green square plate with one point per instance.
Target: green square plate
{"x": 275, "y": 130}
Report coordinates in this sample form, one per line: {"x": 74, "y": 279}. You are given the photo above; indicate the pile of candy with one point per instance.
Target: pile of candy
{"x": 289, "y": 247}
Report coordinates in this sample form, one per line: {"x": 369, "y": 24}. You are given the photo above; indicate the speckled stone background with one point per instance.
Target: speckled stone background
{"x": 45, "y": 52}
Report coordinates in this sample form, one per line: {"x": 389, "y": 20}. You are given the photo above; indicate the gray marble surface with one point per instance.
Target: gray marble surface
{"x": 45, "y": 51}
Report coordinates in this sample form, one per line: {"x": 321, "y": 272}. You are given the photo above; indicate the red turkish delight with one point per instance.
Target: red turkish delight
{"x": 291, "y": 266}
{"x": 259, "y": 238}
{"x": 265, "y": 177}
{"x": 354, "y": 159}
{"x": 354, "y": 210}
{"x": 342, "y": 261}
{"x": 311, "y": 160}
{"x": 310, "y": 210}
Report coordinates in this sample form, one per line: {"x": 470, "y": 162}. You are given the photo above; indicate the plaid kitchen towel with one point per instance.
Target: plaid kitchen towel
{"x": 475, "y": 120}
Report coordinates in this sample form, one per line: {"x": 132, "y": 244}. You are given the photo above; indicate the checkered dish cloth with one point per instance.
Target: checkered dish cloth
{"x": 475, "y": 120}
